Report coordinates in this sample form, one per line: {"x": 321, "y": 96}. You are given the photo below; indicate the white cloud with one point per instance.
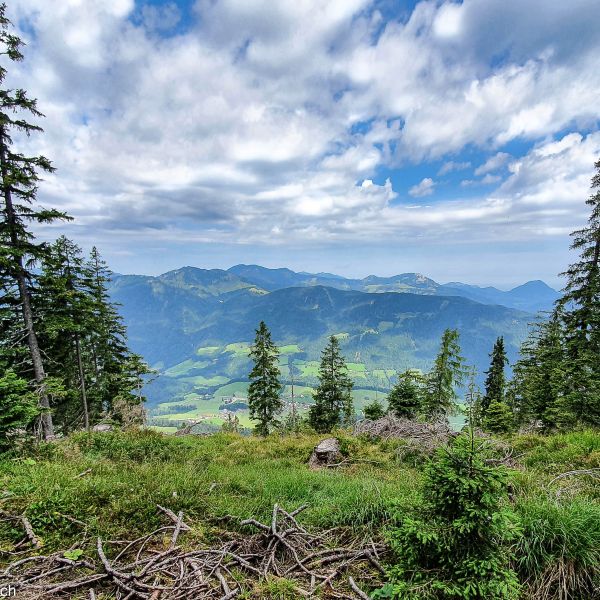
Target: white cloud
{"x": 424, "y": 188}
{"x": 450, "y": 166}
{"x": 241, "y": 129}
{"x": 493, "y": 163}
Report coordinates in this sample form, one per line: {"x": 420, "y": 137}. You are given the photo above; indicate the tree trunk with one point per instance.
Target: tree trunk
{"x": 86, "y": 412}
{"x": 19, "y": 274}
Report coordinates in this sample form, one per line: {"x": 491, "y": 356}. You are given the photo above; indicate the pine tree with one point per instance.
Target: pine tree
{"x": 406, "y": 397}
{"x": 538, "y": 387}
{"x": 264, "y": 392}
{"x": 459, "y": 545}
{"x": 473, "y": 399}
{"x": 498, "y": 417}
{"x": 65, "y": 309}
{"x": 18, "y": 406}
{"x": 580, "y": 310}
{"x": 447, "y": 373}
{"x": 375, "y": 410}
{"x": 495, "y": 381}
{"x": 333, "y": 396}
{"x": 118, "y": 374}
{"x": 19, "y": 180}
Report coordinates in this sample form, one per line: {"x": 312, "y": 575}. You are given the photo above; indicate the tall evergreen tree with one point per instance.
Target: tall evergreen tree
{"x": 580, "y": 310}
{"x": 65, "y": 310}
{"x": 447, "y": 373}
{"x": 537, "y": 389}
{"x": 406, "y": 397}
{"x": 333, "y": 396}
{"x": 264, "y": 392}
{"x": 495, "y": 381}
{"x": 18, "y": 180}
{"x": 118, "y": 374}
{"x": 18, "y": 405}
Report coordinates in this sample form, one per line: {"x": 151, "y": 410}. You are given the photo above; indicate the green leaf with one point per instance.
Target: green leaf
{"x": 73, "y": 554}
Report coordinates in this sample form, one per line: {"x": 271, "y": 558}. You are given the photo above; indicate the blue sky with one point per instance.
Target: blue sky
{"x": 456, "y": 139}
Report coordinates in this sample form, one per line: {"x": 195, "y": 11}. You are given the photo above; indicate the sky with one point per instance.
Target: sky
{"x": 454, "y": 139}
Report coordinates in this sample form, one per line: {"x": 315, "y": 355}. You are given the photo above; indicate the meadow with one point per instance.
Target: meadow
{"x": 109, "y": 485}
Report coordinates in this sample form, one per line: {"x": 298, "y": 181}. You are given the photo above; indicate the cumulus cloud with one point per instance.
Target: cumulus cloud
{"x": 243, "y": 126}
{"x": 450, "y": 166}
{"x": 494, "y": 163}
{"x": 424, "y": 188}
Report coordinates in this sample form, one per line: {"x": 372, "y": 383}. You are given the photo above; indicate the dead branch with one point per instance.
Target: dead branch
{"x": 154, "y": 568}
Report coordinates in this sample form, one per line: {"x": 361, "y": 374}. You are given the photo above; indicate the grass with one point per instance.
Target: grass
{"x": 207, "y": 477}
{"x": 289, "y": 349}
{"x": 238, "y": 348}
{"x": 185, "y": 367}
{"x": 208, "y": 351}
{"x": 219, "y": 480}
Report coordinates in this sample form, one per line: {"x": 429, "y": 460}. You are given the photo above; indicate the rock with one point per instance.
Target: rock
{"x": 326, "y": 452}
{"x": 102, "y": 427}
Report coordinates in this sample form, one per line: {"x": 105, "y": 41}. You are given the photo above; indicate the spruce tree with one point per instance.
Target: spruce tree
{"x": 498, "y": 417}
{"x": 375, "y": 410}
{"x": 264, "y": 392}
{"x": 18, "y": 406}
{"x": 580, "y": 310}
{"x": 460, "y": 542}
{"x": 333, "y": 396}
{"x": 118, "y": 374}
{"x": 447, "y": 373}
{"x": 538, "y": 387}
{"x": 65, "y": 308}
{"x": 495, "y": 381}
{"x": 19, "y": 180}
{"x": 406, "y": 397}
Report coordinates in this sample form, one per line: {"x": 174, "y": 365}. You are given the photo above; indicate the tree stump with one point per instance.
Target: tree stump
{"x": 326, "y": 452}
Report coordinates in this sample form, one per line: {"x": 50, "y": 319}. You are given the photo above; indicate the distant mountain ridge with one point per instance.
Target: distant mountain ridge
{"x": 533, "y": 296}
{"x": 195, "y": 325}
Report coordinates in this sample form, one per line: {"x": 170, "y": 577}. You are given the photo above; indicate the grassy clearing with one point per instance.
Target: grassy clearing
{"x": 208, "y": 351}
{"x": 185, "y": 367}
{"x": 207, "y": 477}
{"x": 290, "y": 349}
{"x": 221, "y": 479}
{"x": 238, "y": 348}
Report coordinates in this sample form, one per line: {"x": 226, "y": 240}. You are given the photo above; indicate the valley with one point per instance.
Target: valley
{"x": 195, "y": 326}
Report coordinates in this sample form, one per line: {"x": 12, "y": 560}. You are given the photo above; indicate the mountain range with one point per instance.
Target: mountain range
{"x": 195, "y": 325}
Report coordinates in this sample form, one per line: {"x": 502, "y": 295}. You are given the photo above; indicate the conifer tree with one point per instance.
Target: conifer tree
{"x": 18, "y": 181}
{"x": 118, "y": 374}
{"x": 538, "y": 384}
{"x": 65, "y": 309}
{"x": 18, "y": 406}
{"x": 580, "y": 310}
{"x": 495, "y": 381}
{"x": 406, "y": 397}
{"x": 264, "y": 392}
{"x": 498, "y": 417}
{"x": 460, "y": 544}
{"x": 333, "y": 396}
{"x": 374, "y": 410}
{"x": 447, "y": 373}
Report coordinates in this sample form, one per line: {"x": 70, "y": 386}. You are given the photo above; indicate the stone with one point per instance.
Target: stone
{"x": 326, "y": 452}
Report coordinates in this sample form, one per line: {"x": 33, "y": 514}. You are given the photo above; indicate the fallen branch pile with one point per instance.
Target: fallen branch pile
{"x": 156, "y": 567}
{"x": 426, "y": 435}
